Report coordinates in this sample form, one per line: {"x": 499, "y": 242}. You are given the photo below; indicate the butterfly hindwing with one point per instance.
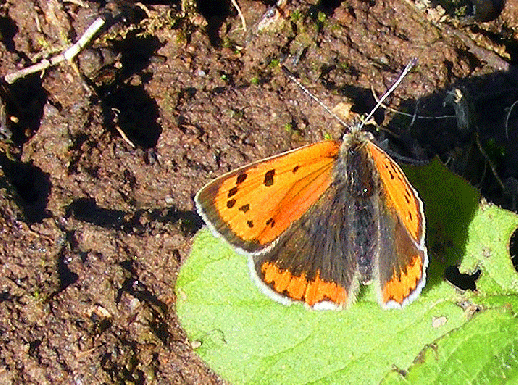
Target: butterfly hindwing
{"x": 250, "y": 207}
{"x": 315, "y": 261}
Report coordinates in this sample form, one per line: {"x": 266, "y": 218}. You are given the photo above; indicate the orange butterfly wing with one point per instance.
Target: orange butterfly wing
{"x": 250, "y": 207}
{"x": 402, "y": 270}
{"x": 400, "y": 193}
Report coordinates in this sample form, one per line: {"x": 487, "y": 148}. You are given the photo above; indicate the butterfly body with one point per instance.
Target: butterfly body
{"x": 319, "y": 220}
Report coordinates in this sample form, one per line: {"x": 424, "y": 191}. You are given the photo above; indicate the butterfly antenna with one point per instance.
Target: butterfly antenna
{"x": 390, "y": 90}
{"x": 308, "y": 92}
{"x": 378, "y": 104}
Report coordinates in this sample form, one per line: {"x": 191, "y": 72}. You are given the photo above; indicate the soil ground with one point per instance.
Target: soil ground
{"x": 100, "y": 159}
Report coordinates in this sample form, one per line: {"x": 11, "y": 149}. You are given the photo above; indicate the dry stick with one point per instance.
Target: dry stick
{"x": 488, "y": 160}
{"x": 120, "y": 131}
{"x": 507, "y": 117}
{"x": 236, "y": 6}
{"x": 491, "y": 58}
{"x": 3, "y": 118}
{"x": 68, "y": 55}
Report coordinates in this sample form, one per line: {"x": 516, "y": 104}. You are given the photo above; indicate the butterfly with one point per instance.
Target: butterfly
{"x": 318, "y": 221}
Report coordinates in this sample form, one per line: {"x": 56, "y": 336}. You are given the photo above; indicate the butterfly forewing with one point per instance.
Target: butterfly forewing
{"x": 403, "y": 256}
{"x": 399, "y": 193}
{"x": 252, "y": 206}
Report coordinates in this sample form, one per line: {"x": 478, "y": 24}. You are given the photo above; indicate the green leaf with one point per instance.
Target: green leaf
{"x": 249, "y": 339}
{"x": 483, "y": 351}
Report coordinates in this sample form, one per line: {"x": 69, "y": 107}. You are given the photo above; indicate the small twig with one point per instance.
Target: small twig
{"x": 236, "y": 6}
{"x": 489, "y": 162}
{"x": 124, "y": 136}
{"x": 4, "y": 130}
{"x": 68, "y": 55}
{"x": 507, "y": 117}
{"x": 491, "y": 58}
{"x": 120, "y": 131}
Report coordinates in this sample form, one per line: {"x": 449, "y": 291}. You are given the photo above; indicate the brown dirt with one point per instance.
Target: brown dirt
{"x": 94, "y": 230}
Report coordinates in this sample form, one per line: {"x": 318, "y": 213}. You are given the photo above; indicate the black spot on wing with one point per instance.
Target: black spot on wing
{"x": 231, "y": 203}
{"x": 241, "y": 178}
{"x": 391, "y": 173}
{"x": 245, "y": 208}
{"x": 268, "y": 178}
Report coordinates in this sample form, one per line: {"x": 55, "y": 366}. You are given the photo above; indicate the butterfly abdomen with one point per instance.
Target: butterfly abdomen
{"x": 359, "y": 189}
